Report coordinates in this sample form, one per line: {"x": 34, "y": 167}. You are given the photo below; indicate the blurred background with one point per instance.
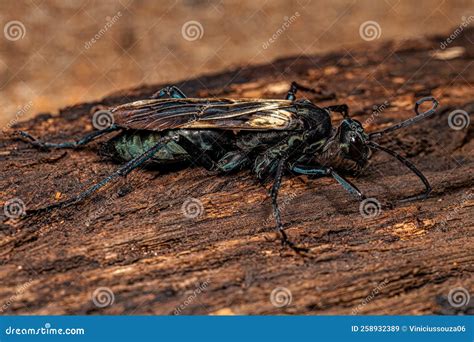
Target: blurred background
{"x": 59, "y": 53}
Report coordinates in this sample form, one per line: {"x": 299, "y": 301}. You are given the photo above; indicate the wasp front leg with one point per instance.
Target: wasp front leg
{"x": 327, "y": 171}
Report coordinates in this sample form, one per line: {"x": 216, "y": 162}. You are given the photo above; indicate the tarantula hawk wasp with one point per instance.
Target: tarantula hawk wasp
{"x": 270, "y": 137}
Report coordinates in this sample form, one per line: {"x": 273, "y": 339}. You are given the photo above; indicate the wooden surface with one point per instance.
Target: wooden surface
{"x": 132, "y": 239}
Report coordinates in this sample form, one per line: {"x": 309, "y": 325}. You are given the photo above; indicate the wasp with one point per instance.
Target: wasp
{"x": 269, "y": 137}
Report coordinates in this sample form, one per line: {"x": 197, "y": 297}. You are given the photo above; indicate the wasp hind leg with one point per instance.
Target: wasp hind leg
{"x": 69, "y": 144}
{"x": 122, "y": 171}
{"x": 170, "y": 91}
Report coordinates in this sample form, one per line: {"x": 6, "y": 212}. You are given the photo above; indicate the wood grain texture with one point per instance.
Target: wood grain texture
{"x": 133, "y": 238}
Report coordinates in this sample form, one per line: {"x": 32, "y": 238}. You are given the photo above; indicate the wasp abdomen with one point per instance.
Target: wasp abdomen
{"x": 132, "y": 144}
{"x": 187, "y": 144}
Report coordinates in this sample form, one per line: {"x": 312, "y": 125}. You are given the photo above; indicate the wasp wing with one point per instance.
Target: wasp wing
{"x": 189, "y": 113}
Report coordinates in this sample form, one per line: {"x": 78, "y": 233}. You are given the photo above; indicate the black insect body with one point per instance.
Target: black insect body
{"x": 270, "y": 137}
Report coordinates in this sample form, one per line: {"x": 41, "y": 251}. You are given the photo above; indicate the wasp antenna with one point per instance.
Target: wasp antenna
{"x": 419, "y": 116}
{"x": 410, "y": 166}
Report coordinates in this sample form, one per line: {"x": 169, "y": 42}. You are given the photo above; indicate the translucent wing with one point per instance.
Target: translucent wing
{"x": 227, "y": 114}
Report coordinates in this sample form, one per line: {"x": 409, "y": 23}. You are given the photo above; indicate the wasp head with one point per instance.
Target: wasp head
{"x": 353, "y": 141}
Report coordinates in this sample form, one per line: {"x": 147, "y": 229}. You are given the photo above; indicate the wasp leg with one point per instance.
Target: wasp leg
{"x": 346, "y": 184}
{"x": 342, "y": 109}
{"x": 291, "y": 95}
{"x": 232, "y": 161}
{"x": 266, "y": 164}
{"x": 409, "y": 165}
{"x": 170, "y": 91}
{"x": 303, "y": 170}
{"x": 276, "y": 210}
{"x": 69, "y": 144}
{"x": 199, "y": 155}
{"x": 122, "y": 171}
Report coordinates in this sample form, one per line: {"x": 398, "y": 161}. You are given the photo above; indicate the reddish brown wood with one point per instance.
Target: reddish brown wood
{"x": 134, "y": 239}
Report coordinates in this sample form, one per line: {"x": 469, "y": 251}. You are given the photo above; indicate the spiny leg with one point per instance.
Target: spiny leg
{"x": 122, "y": 171}
{"x": 170, "y": 91}
{"x": 409, "y": 165}
{"x": 346, "y": 184}
{"x": 276, "y": 210}
{"x": 342, "y": 109}
{"x": 69, "y": 144}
